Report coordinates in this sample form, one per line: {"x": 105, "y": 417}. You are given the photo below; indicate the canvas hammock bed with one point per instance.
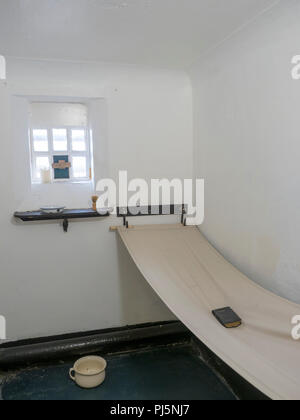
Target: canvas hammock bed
{"x": 192, "y": 278}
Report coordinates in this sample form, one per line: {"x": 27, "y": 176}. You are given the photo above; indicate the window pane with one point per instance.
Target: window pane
{"x": 78, "y": 141}
{"x": 40, "y": 140}
{"x": 60, "y": 141}
{"x": 79, "y": 167}
{"x": 42, "y": 162}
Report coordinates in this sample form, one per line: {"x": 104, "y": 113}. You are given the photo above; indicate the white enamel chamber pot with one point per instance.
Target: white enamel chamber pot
{"x": 89, "y": 372}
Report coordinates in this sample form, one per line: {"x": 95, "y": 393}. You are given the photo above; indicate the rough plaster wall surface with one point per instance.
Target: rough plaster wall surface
{"x": 55, "y": 283}
{"x": 246, "y": 121}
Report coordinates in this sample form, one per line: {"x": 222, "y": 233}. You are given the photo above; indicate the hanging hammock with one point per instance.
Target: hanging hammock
{"x": 193, "y": 279}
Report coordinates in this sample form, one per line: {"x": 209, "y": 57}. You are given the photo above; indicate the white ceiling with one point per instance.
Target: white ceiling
{"x": 168, "y": 33}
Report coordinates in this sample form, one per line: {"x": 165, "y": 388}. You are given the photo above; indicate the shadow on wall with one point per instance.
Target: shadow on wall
{"x": 149, "y": 303}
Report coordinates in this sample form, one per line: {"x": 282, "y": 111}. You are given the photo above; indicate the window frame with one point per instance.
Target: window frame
{"x": 50, "y": 153}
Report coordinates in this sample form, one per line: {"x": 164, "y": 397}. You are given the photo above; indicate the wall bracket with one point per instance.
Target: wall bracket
{"x": 65, "y": 216}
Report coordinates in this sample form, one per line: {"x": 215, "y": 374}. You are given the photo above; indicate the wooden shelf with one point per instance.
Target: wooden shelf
{"x": 32, "y": 216}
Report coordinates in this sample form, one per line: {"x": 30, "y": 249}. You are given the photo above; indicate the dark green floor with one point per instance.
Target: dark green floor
{"x": 166, "y": 373}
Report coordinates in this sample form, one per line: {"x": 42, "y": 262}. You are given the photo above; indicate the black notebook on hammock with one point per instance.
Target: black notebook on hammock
{"x": 227, "y": 317}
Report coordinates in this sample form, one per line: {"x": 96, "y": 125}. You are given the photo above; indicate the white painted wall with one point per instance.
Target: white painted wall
{"x": 51, "y": 282}
{"x": 247, "y": 147}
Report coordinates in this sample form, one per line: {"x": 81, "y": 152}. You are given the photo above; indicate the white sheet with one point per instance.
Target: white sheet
{"x": 192, "y": 278}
